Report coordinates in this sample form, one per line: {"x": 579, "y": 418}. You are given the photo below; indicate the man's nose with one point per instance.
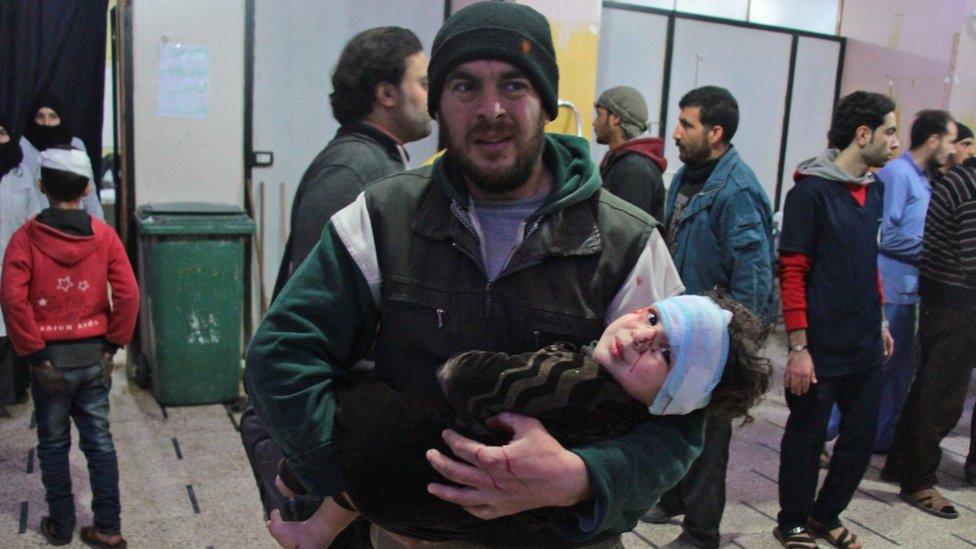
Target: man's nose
{"x": 490, "y": 104}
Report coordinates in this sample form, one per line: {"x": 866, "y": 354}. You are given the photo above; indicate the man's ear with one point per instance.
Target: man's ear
{"x": 863, "y": 135}
{"x": 386, "y": 95}
{"x": 933, "y": 142}
{"x": 715, "y": 135}
{"x": 614, "y": 119}
{"x": 88, "y": 189}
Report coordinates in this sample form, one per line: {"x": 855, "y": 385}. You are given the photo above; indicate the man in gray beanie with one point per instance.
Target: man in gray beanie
{"x": 506, "y": 244}
{"x": 632, "y": 167}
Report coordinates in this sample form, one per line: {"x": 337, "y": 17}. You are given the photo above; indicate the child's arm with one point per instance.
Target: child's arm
{"x": 318, "y": 531}
{"x": 125, "y": 296}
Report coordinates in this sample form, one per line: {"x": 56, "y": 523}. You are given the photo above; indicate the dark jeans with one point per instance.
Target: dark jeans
{"x": 935, "y": 402}
{"x": 857, "y": 396}
{"x": 898, "y": 373}
{"x": 701, "y": 494}
{"x": 84, "y": 398}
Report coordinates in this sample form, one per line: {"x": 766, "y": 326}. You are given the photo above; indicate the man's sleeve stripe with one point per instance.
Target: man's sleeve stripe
{"x": 352, "y": 225}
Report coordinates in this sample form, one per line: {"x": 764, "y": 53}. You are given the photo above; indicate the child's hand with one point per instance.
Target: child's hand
{"x": 296, "y": 535}
{"x": 47, "y": 377}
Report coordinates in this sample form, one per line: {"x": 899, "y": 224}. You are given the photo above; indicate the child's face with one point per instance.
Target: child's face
{"x": 634, "y": 349}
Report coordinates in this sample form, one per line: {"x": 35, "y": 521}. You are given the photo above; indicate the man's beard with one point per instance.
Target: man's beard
{"x": 494, "y": 182}
{"x": 877, "y": 158}
{"x": 414, "y": 126}
{"x": 693, "y": 156}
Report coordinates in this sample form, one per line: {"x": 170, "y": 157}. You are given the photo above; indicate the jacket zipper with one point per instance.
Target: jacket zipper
{"x": 463, "y": 218}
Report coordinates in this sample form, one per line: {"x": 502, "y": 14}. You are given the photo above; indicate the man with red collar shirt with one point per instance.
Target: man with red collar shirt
{"x": 632, "y": 167}
{"x": 832, "y": 311}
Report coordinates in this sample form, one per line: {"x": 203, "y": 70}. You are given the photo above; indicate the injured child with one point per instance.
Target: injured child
{"x": 676, "y": 356}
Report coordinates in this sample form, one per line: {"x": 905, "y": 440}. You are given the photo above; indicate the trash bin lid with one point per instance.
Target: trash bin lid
{"x": 173, "y": 218}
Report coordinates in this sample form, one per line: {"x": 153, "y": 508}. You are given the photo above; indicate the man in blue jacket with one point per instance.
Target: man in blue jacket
{"x": 719, "y": 231}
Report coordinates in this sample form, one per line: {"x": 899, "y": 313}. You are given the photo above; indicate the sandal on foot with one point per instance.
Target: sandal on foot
{"x": 844, "y": 540}
{"x": 924, "y": 500}
{"x": 90, "y": 536}
{"x": 795, "y": 538}
{"x": 46, "y": 528}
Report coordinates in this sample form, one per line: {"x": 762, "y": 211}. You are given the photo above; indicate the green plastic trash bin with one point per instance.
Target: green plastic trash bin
{"x": 191, "y": 274}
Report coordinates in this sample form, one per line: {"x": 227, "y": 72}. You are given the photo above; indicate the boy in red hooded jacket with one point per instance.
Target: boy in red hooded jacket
{"x": 54, "y": 292}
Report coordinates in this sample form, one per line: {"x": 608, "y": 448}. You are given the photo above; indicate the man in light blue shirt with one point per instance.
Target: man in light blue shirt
{"x": 906, "y": 200}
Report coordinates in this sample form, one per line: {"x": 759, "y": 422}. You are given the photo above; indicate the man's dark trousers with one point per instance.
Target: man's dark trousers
{"x": 858, "y": 396}
{"x": 946, "y": 341}
{"x": 701, "y": 494}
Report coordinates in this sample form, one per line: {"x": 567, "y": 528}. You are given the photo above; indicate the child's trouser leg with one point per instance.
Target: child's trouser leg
{"x": 53, "y": 414}
{"x": 90, "y": 413}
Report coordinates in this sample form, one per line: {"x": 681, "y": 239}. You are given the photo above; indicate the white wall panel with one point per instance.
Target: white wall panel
{"x": 632, "y": 47}
{"x": 809, "y": 15}
{"x": 189, "y": 159}
{"x": 812, "y": 104}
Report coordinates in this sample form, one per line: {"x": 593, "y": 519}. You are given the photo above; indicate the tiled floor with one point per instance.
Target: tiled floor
{"x": 186, "y": 482}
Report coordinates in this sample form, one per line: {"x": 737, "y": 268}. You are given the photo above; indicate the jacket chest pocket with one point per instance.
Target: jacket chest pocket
{"x": 533, "y": 329}
{"x": 429, "y": 326}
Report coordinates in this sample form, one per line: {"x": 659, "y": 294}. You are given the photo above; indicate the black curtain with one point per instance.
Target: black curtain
{"x": 56, "y": 47}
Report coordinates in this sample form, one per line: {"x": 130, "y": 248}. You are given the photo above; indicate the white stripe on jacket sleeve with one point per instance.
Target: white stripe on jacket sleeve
{"x": 353, "y": 226}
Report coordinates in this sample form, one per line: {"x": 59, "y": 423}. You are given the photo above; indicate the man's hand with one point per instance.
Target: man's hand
{"x": 533, "y": 470}
{"x": 799, "y": 372}
{"x": 889, "y": 342}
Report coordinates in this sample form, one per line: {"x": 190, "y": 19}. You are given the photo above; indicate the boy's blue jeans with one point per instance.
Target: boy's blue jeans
{"x": 83, "y": 396}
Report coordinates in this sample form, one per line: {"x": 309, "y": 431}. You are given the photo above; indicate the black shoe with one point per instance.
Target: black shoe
{"x": 47, "y": 530}
{"x": 659, "y": 515}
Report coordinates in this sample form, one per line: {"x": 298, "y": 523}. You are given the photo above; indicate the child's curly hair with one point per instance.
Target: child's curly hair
{"x": 746, "y": 375}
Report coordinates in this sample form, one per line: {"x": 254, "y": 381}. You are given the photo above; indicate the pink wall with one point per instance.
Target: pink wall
{"x": 913, "y": 81}
{"x": 905, "y": 48}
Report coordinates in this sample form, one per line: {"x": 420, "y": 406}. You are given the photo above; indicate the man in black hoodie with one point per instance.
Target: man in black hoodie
{"x": 632, "y": 167}
{"x": 380, "y": 98}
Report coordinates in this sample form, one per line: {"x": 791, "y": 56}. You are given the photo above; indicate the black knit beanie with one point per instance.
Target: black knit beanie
{"x": 496, "y": 30}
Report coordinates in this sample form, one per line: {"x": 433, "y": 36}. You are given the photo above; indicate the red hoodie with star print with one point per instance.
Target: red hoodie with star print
{"x": 55, "y": 287}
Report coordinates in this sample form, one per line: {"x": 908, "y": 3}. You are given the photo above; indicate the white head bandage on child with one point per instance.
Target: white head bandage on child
{"x": 698, "y": 335}
{"x": 67, "y": 160}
